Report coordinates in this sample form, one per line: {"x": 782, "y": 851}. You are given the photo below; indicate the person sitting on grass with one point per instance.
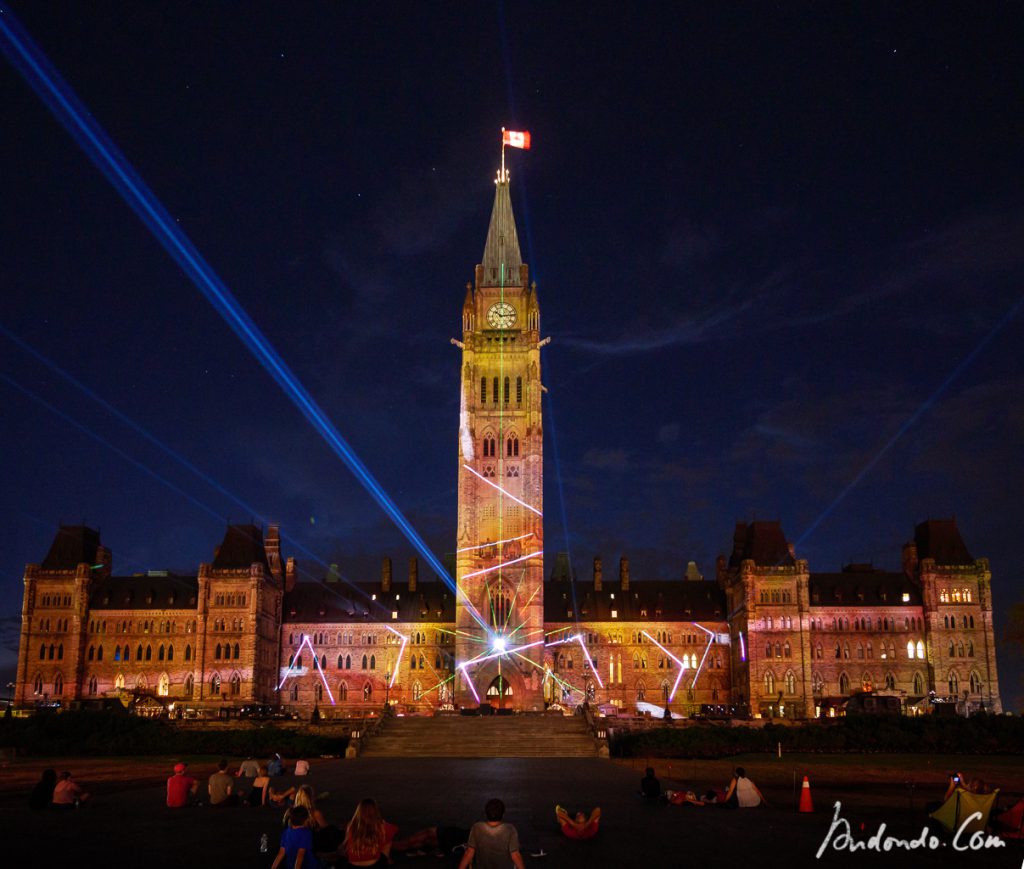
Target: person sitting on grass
{"x": 42, "y": 794}
{"x": 650, "y": 787}
{"x": 257, "y": 795}
{"x": 221, "y": 787}
{"x": 180, "y": 787}
{"x": 326, "y": 837}
{"x": 296, "y": 851}
{"x": 578, "y": 826}
{"x": 743, "y": 793}
{"x": 68, "y": 794}
{"x": 368, "y": 837}
{"x": 281, "y": 798}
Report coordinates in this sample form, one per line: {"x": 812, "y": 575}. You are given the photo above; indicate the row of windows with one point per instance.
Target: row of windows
{"x": 222, "y": 624}
{"x": 957, "y": 650}
{"x": 489, "y": 446}
{"x": 858, "y": 594}
{"x": 965, "y": 621}
{"x": 956, "y": 595}
{"x": 162, "y": 653}
{"x": 125, "y": 626}
{"x": 163, "y": 684}
{"x": 59, "y": 625}
{"x": 56, "y": 600}
{"x": 886, "y": 623}
{"x": 494, "y": 390}
{"x": 887, "y": 651}
{"x": 889, "y": 683}
{"x": 776, "y": 595}
{"x": 769, "y": 623}
{"x": 229, "y": 599}
{"x": 324, "y": 639}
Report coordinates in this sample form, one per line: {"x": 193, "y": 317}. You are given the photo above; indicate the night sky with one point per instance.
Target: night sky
{"x": 779, "y": 249}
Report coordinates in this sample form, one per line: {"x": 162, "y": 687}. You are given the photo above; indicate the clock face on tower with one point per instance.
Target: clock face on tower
{"x": 501, "y": 315}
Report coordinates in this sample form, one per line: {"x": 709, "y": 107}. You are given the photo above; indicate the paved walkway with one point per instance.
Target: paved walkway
{"x": 136, "y": 829}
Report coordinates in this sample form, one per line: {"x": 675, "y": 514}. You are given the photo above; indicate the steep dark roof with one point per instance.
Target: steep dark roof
{"x": 764, "y": 542}
{"x": 663, "y": 601}
{"x": 863, "y": 585}
{"x": 145, "y": 593}
{"x": 242, "y": 547}
{"x": 353, "y": 602}
{"x": 502, "y": 245}
{"x": 73, "y": 545}
{"x": 940, "y": 540}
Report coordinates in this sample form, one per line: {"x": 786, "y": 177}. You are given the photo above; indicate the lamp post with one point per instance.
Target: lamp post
{"x": 387, "y": 690}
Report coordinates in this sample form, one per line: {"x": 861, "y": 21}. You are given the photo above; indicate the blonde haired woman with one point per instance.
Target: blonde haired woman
{"x": 368, "y": 837}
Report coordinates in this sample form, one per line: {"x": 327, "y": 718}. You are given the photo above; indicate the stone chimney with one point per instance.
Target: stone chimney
{"x": 290, "y": 574}
{"x": 910, "y": 559}
{"x": 385, "y": 575}
{"x": 624, "y": 573}
{"x": 597, "y": 573}
{"x": 272, "y": 546}
{"x": 413, "y": 573}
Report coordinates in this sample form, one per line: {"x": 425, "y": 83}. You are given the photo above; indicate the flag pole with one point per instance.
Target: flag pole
{"x": 503, "y": 178}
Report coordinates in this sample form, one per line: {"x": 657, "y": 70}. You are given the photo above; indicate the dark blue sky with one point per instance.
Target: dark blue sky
{"x": 763, "y": 239}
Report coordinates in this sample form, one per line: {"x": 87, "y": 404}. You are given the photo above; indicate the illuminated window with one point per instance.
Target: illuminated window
{"x": 769, "y": 683}
{"x": 163, "y": 686}
{"x": 215, "y": 684}
{"x": 920, "y": 649}
{"x": 119, "y": 682}
{"x": 790, "y": 682}
{"x": 944, "y": 596}
{"x": 910, "y": 648}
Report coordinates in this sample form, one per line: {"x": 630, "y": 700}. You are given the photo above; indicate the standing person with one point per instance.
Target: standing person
{"x": 248, "y": 768}
{"x": 42, "y": 794}
{"x": 296, "y": 850}
{"x": 68, "y": 793}
{"x": 493, "y": 844}
{"x": 302, "y": 766}
{"x": 275, "y": 766}
{"x": 368, "y": 837}
{"x": 743, "y": 793}
{"x": 180, "y": 787}
{"x": 650, "y": 787}
{"x": 221, "y": 787}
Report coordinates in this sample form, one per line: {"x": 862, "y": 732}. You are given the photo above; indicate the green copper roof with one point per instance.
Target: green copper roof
{"x": 502, "y": 246}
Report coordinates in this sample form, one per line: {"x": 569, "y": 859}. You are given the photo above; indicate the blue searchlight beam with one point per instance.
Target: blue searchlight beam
{"x": 26, "y": 57}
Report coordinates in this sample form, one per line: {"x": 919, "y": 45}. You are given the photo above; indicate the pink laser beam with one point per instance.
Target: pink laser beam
{"x": 506, "y": 494}
{"x": 590, "y": 661}
{"x": 503, "y": 564}
{"x": 711, "y": 640}
{"x": 496, "y": 543}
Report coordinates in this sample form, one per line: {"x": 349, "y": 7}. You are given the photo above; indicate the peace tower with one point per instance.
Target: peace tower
{"x": 500, "y": 533}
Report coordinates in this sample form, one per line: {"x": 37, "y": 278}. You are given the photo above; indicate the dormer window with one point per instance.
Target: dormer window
{"x": 906, "y": 597}
{"x": 615, "y": 614}
{"x": 643, "y": 613}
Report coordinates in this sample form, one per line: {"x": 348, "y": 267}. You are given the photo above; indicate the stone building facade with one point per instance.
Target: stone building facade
{"x": 768, "y": 636}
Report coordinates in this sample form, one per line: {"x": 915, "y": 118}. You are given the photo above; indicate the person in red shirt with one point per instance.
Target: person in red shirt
{"x": 368, "y": 837}
{"x": 180, "y": 787}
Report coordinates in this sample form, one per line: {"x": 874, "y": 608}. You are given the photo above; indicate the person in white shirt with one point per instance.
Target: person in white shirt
{"x": 743, "y": 793}
{"x": 302, "y": 767}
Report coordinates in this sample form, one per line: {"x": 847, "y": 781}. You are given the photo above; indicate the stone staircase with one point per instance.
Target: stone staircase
{"x": 482, "y": 736}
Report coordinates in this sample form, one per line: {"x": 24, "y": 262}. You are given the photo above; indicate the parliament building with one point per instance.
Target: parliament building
{"x": 767, "y": 636}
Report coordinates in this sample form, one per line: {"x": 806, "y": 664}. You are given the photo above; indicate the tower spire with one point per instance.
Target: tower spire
{"x": 502, "y": 257}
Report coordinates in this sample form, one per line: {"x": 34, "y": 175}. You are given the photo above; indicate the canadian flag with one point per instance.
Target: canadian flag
{"x": 516, "y": 139}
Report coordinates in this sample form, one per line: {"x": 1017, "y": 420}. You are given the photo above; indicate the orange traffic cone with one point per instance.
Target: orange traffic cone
{"x": 806, "y": 803}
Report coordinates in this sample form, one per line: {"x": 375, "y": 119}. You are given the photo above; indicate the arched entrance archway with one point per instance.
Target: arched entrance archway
{"x": 499, "y": 692}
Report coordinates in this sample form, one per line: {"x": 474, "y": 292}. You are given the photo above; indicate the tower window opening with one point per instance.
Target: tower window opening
{"x": 519, "y": 390}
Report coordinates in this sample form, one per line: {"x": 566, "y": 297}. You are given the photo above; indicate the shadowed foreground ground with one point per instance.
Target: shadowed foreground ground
{"x": 134, "y": 827}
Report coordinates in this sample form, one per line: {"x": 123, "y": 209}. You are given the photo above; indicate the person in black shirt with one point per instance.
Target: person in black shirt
{"x": 650, "y": 787}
